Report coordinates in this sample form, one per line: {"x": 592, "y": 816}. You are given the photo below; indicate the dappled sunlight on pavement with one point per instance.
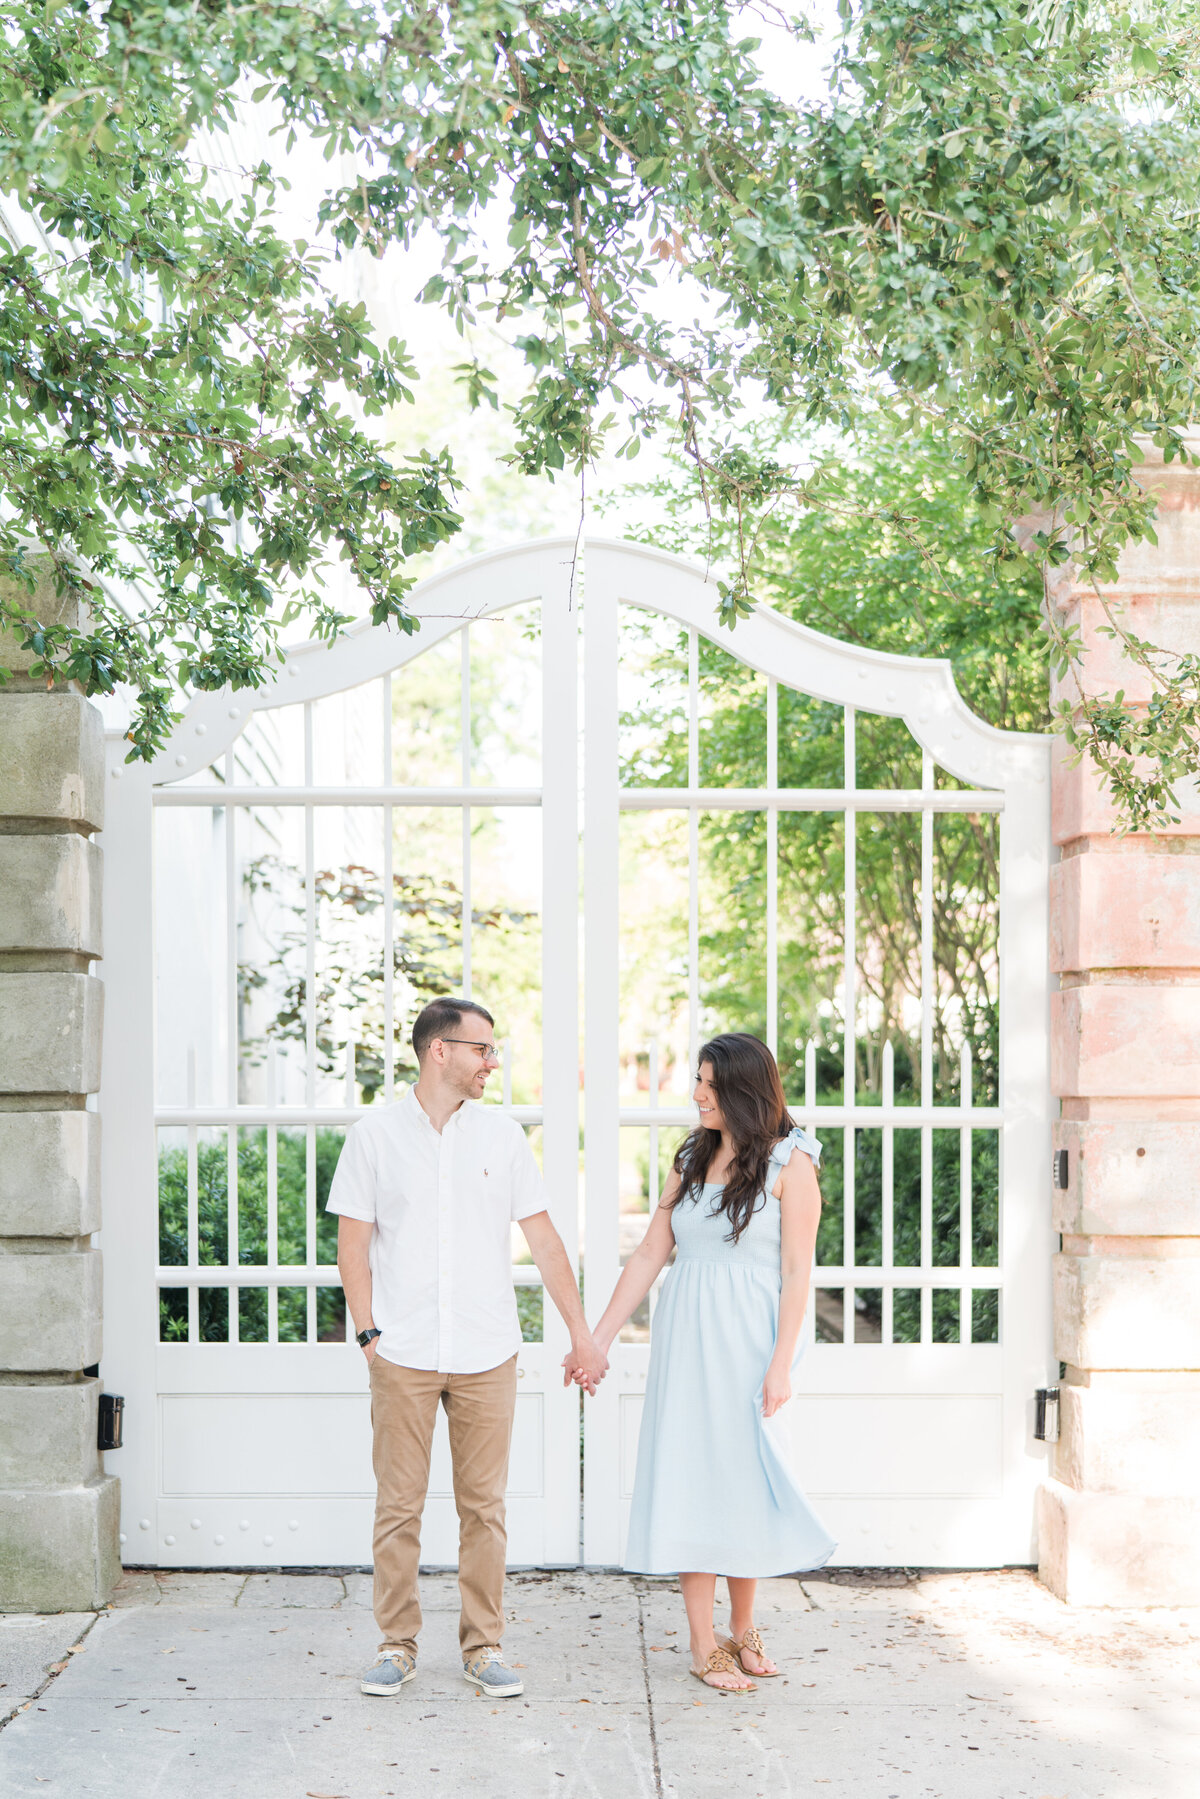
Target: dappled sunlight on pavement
{"x": 892, "y": 1686}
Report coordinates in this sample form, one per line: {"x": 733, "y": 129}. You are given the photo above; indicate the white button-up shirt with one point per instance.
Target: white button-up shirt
{"x": 442, "y": 1204}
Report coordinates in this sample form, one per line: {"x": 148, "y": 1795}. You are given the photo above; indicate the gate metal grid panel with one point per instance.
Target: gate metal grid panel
{"x": 917, "y": 1453}
{"x": 202, "y": 1404}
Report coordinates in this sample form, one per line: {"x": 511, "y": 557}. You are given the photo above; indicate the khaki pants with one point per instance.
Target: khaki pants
{"x": 479, "y": 1411}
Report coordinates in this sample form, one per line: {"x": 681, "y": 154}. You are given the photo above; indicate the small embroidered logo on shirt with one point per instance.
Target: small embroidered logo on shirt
{"x": 485, "y": 1173}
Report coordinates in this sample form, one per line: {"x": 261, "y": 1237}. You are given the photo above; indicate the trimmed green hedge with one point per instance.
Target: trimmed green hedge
{"x": 212, "y": 1209}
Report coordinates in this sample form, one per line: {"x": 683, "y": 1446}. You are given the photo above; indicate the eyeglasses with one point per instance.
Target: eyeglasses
{"x": 487, "y": 1052}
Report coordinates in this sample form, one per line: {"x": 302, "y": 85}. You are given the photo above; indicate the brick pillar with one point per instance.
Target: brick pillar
{"x": 1120, "y": 1520}
{"x": 58, "y": 1510}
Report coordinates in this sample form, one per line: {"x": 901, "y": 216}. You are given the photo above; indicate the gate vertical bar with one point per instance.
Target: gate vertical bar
{"x": 772, "y": 868}
{"x": 602, "y": 844}
{"x": 193, "y": 1200}
{"x": 693, "y": 824}
{"x": 232, "y": 1210}
{"x": 128, "y": 1152}
{"x": 389, "y": 910}
{"x": 465, "y": 727}
{"x": 272, "y": 1195}
{"x": 310, "y": 1030}
{"x": 849, "y": 1010}
{"x": 888, "y": 1194}
{"x": 965, "y": 1221}
{"x": 653, "y": 1192}
{"x": 310, "y": 924}
{"x": 927, "y": 1004}
{"x": 1026, "y": 1240}
{"x": 560, "y": 1044}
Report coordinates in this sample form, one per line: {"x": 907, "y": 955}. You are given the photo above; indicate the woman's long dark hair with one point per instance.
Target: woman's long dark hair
{"x": 750, "y": 1092}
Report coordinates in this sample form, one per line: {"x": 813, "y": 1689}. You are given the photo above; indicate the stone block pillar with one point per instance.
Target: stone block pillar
{"x": 58, "y": 1510}
{"x": 1120, "y": 1519}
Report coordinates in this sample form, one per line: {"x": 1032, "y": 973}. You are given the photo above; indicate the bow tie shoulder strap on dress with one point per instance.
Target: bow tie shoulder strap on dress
{"x": 797, "y": 1138}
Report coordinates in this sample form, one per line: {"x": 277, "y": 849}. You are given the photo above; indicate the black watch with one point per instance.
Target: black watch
{"x": 364, "y": 1337}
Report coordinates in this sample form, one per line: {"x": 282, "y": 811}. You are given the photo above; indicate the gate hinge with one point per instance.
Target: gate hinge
{"x": 1045, "y": 1419}
{"x": 110, "y": 1424}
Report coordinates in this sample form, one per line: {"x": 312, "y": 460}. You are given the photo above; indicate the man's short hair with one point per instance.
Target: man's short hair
{"x": 441, "y": 1018}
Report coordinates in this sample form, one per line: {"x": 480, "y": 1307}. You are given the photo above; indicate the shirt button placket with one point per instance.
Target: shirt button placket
{"x": 444, "y": 1253}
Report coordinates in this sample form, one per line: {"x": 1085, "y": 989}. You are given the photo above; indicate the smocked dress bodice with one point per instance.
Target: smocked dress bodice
{"x": 702, "y": 1231}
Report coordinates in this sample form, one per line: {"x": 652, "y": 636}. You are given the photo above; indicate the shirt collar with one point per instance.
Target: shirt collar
{"x": 422, "y": 1116}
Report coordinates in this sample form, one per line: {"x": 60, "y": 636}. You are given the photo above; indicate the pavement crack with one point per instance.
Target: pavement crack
{"x": 52, "y": 1673}
{"x": 656, "y": 1768}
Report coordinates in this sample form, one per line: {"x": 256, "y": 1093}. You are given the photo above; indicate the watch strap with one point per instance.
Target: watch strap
{"x": 364, "y": 1337}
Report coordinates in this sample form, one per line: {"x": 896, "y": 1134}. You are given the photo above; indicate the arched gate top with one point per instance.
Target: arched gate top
{"x": 919, "y": 690}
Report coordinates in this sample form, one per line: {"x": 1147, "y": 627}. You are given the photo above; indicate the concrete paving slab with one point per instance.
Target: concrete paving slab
{"x": 137, "y": 1586}
{"x": 233, "y": 1654}
{"x": 1013, "y": 1590}
{"x": 256, "y": 1749}
{"x": 525, "y": 1588}
{"x": 592, "y": 1653}
{"x": 894, "y": 1752}
{"x": 359, "y": 1588}
{"x": 977, "y": 1686}
{"x": 31, "y": 1647}
{"x": 841, "y": 1659}
{"x": 157, "y": 1654}
{"x": 314, "y": 1592}
{"x": 439, "y": 1593}
{"x": 560, "y": 1588}
{"x": 198, "y": 1587}
{"x": 920, "y": 1690}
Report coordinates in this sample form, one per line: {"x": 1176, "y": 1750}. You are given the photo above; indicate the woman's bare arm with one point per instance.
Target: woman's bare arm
{"x": 640, "y": 1271}
{"x": 799, "y": 1214}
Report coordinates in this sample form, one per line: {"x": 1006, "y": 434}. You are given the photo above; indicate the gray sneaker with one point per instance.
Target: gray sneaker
{"x": 486, "y": 1670}
{"x": 389, "y": 1673}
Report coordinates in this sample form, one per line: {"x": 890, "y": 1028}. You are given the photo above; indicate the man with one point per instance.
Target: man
{"x": 427, "y": 1191}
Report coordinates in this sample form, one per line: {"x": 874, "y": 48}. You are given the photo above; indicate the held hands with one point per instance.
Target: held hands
{"x": 585, "y": 1363}
{"x": 777, "y": 1390}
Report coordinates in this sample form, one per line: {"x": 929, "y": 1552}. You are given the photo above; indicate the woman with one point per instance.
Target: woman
{"x": 713, "y": 1493}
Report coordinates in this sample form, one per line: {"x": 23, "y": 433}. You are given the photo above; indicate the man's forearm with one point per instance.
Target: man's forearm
{"x": 560, "y": 1283}
{"x": 356, "y": 1284}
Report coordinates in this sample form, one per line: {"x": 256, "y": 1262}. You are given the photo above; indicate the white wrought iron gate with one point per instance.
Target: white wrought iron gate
{"x": 247, "y": 1437}
{"x": 253, "y": 1440}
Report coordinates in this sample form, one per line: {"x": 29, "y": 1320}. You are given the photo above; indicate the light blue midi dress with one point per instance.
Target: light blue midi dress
{"x": 715, "y": 1492}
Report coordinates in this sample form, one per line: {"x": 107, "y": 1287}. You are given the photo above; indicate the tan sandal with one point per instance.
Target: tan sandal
{"x": 754, "y": 1643}
{"x": 720, "y": 1662}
